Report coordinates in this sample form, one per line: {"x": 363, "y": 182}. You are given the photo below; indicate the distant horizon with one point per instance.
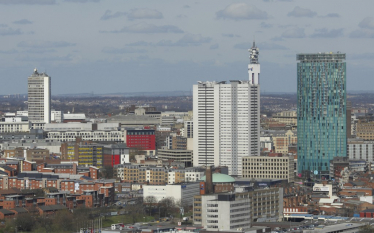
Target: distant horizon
{"x": 168, "y": 93}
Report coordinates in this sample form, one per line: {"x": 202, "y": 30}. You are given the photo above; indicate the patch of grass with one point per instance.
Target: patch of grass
{"x": 125, "y": 219}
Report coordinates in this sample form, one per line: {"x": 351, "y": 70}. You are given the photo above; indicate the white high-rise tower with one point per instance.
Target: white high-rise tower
{"x": 39, "y": 99}
{"x": 226, "y": 123}
{"x": 254, "y": 79}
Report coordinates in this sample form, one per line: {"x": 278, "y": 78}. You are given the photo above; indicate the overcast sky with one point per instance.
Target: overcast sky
{"x": 110, "y": 46}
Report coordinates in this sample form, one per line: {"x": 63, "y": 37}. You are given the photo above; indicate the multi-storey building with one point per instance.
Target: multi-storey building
{"x": 116, "y": 154}
{"x": 184, "y": 156}
{"x": 223, "y": 212}
{"x": 142, "y": 139}
{"x": 91, "y": 155}
{"x": 39, "y": 99}
{"x": 282, "y": 139}
{"x": 360, "y": 149}
{"x": 226, "y": 120}
{"x": 265, "y": 167}
{"x": 321, "y": 111}
{"x": 365, "y": 130}
{"x": 265, "y": 204}
{"x": 287, "y": 117}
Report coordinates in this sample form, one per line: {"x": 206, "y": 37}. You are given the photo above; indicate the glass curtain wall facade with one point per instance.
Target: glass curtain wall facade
{"x": 321, "y": 112}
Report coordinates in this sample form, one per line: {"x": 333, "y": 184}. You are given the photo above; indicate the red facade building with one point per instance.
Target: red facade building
{"x": 144, "y": 139}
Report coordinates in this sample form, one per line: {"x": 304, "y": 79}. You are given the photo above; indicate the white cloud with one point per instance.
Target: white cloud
{"x": 144, "y": 13}
{"x": 241, "y": 11}
{"x": 193, "y": 39}
{"x": 294, "y": 33}
{"x": 325, "y": 33}
{"x": 186, "y": 40}
{"x": 368, "y": 23}
{"x": 301, "y": 12}
{"x": 149, "y": 28}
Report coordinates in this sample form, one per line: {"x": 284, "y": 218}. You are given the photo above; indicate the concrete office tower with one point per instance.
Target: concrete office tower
{"x": 39, "y": 99}
{"x": 321, "y": 112}
{"x": 226, "y": 120}
{"x": 254, "y": 99}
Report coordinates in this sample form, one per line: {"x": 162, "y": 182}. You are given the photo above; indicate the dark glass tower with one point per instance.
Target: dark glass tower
{"x": 321, "y": 111}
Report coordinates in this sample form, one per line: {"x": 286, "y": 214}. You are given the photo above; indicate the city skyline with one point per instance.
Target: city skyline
{"x": 169, "y": 46}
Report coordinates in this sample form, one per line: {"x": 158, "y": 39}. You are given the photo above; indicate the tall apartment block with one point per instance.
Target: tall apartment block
{"x": 226, "y": 120}
{"x": 321, "y": 111}
{"x": 39, "y": 99}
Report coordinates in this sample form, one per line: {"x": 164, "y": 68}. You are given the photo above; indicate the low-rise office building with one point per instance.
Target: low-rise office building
{"x": 264, "y": 167}
{"x": 184, "y": 192}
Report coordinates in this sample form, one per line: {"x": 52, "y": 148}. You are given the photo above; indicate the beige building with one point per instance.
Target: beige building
{"x": 264, "y": 167}
{"x": 263, "y": 204}
{"x": 287, "y": 117}
{"x": 365, "y": 130}
{"x": 282, "y": 139}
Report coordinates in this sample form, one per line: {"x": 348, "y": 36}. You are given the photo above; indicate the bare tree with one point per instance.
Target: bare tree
{"x": 168, "y": 205}
{"x": 135, "y": 211}
{"x": 150, "y": 202}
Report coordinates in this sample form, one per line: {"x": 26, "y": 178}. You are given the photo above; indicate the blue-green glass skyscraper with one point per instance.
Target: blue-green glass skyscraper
{"x": 321, "y": 111}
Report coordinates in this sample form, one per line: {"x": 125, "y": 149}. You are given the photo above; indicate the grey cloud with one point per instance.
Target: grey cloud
{"x": 12, "y": 51}
{"x": 22, "y": 21}
{"x": 261, "y": 46}
{"x": 368, "y": 22}
{"x": 181, "y": 16}
{"x": 241, "y": 11}
{"x": 3, "y": 25}
{"x": 193, "y": 39}
{"x": 186, "y": 6}
{"x": 144, "y": 13}
{"x": 186, "y": 40}
{"x": 28, "y": 2}
{"x": 82, "y": 1}
{"x": 364, "y": 56}
{"x": 230, "y": 35}
{"x": 149, "y": 28}
{"x": 362, "y": 33}
{"x": 10, "y": 32}
{"x": 333, "y": 15}
{"x": 325, "y": 33}
{"x": 214, "y": 46}
{"x": 44, "y": 44}
{"x": 301, "y": 12}
{"x": 271, "y": 46}
{"x": 40, "y": 50}
{"x": 294, "y": 33}
{"x": 266, "y": 25}
{"x": 139, "y": 43}
{"x": 108, "y": 15}
{"x": 45, "y": 59}
{"x": 277, "y": 39}
{"x": 278, "y": 0}
{"x": 123, "y": 50}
